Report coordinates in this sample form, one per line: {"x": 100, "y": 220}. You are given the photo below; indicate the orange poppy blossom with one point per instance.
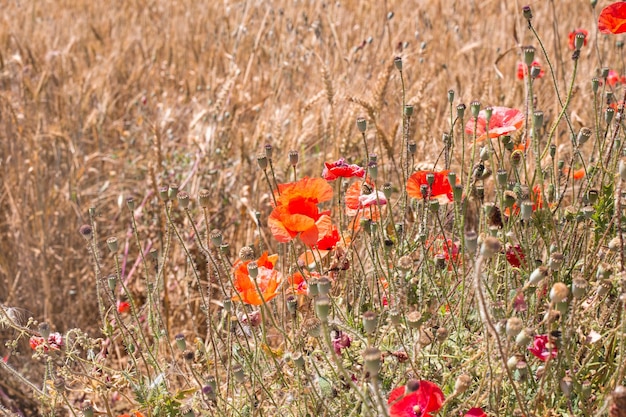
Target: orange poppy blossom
{"x": 503, "y": 120}
{"x": 612, "y": 18}
{"x": 577, "y": 174}
{"x": 300, "y": 283}
{"x": 361, "y": 195}
{"x": 297, "y": 214}
{"x": 268, "y": 279}
{"x": 441, "y": 188}
{"x": 522, "y": 70}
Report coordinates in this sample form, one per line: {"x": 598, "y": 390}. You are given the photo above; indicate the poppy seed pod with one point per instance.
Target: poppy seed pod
{"x": 172, "y": 191}
{"x": 216, "y": 237}
{"x": 370, "y": 321}
{"x": 538, "y": 275}
{"x": 180, "y": 341}
{"x": 535, "y": 72}
{"x": 490, "y": 246}
{"x": 163, "y": 192}
{"x": 112, "y": 244}
{"x": 322, "y": 308}
{"x": 460, "y": 111}
{"x": 323, "y": 285}
{"x": 555, "y": 261}
{"x": 608, "y": 115}
{"x": 204, "y": 198}
{"x": 88, "y": 410}
{"x": 397, "y": 61}
{"x": 537, "y": 120}
{"x": 361, "y": 124}
{"x": 457, "y": 193}
{"x": 559, "y": 292}
{"x": 471, "y": 241}
{"x": 408, "y": 110}
{"x": 372, "y": 360}
{"x": 292, "y": 304}
{"x": 452, "y": 177}
{"x": 462, "y": 384}
{"x": 527, "y": 210}
{"x": 583, "y": 136}
{"x": 450, "y": 96}
{"x": 293, "y": 158}
{"x": 412, "y": 147}
{"x": 183, "y": 199}
{"x": 414, "y": 319}
{"x": 579, "y": 40}
{"x": 475, "y": 108}
{"x": 595, "y": 85}
{"x": 529, "y": 55}
{"x": 514, "y": 325}
{"x": 253, "y": 269}
{"x": 112, "y": 282}
{"x": 246, "y": 253}
{"x": 262, "y": 161}
{"x": 269, "y": 151}
{"x": 488, "y": 114}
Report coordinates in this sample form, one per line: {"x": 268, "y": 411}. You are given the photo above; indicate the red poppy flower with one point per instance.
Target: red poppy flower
{"x": 329, "y": 241}
{"x": 334, "y": 170}
{"x": 572, "y": 37}
{"x": 441, "y": 186}
{"x": 514, "y": 255}
{"x": 503, "y": 120}
{"x": 296, "y": 212}
{"x": 522, "y": 70}
{"x": 543, "y": 348}
{"x": 123, "y": 307}
{"x": 577, "y": 174}
{"x": 475, "y": 412}
{"x": 427, "y": 398}
{"x": 612, "y": 18}
{"x": 614, "y": 78}
{"x": 267, "y": 280}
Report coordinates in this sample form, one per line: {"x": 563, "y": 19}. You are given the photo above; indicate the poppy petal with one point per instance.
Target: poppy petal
{"x": 612, "y": 18}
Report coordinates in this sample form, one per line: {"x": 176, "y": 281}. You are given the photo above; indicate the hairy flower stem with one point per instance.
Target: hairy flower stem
{"x": 483, "y": 308}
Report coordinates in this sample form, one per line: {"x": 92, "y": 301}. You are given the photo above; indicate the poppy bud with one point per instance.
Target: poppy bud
{"x": 529, "y": 55}
{"x": 408, "y": 110}
{"x": 398, "y": 63}
{"x": 450, "y": 96}
{"x": 475, "y": 108}
{"x": 460, "y": 111}
{"x": 361, "y": 124}
{"x": 527, "y": 13}
{"x": 183, "y": 199}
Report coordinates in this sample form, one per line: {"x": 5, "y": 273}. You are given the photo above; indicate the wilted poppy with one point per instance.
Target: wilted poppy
{"x": 422, "y": 398}
{"x": 267, "y": 280}
{"x": 543, "y": 348}
{"x": 334, "y": 170}
{"x": 503, "y": 120}
{"x": 612, "y": 18}
{"x": 296, "y": 212}
{"x": 361, "y": 196}
{"x": 441, "y": 185}
{"x": 572, "y": 37}
{"x": 515, "y": 255}
{"x": 475, "y": 412}
{"x": 522, "y": 70}
{"x": 341, "y": 340}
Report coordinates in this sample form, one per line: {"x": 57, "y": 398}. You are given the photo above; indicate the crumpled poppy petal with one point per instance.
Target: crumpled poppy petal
{"x": 475, "y": 412}
{"x": 279, "y": 230}
{"x": 612, "y": 18}
{"x": 503, "y": 120}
